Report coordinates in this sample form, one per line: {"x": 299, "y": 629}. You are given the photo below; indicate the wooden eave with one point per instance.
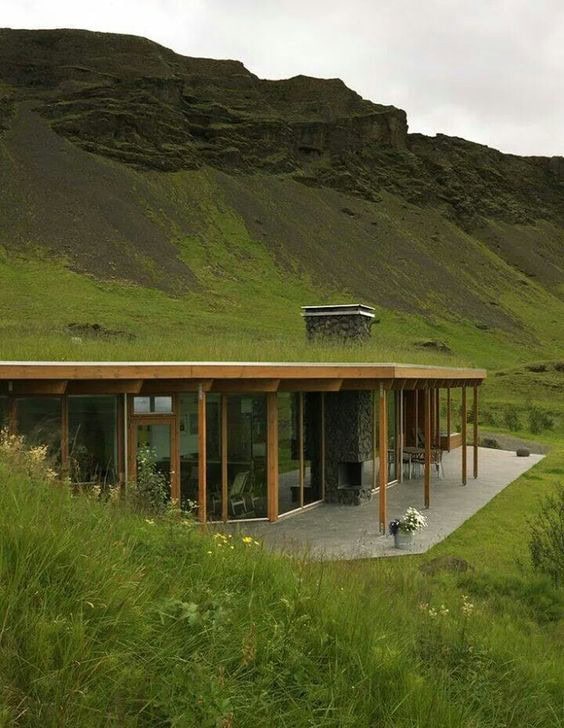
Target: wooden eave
{"x": 145, "y": 377}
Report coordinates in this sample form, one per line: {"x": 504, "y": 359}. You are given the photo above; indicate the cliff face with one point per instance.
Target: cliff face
{"x": 130, "y": 99}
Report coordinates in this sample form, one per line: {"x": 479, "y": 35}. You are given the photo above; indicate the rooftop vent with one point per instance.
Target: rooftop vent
{"x": 344, "y": 322}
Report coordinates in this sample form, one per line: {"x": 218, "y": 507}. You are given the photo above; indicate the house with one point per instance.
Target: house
{"x": 244, "y": 440}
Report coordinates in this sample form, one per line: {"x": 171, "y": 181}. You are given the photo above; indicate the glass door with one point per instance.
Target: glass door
{"x": 155, "y": 439}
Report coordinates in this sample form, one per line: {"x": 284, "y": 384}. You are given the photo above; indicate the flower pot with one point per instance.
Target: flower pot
{"x": 403, "y": 540}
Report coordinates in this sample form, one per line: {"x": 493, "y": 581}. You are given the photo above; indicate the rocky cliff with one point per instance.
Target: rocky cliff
{"x": 132, "y": 100}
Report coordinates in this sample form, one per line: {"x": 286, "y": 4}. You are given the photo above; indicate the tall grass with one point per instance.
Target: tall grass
{"x": 112, "y": 618}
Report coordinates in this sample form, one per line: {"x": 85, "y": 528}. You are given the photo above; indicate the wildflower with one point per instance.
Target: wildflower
{"x": 150, "y": 521}
{"x": 467, "y": 606}
{"x": 443, "y": 610}
{"x": 247, "y": 539}
{"x": 424, "y": 606}
{"x": 210, "y": 552}
{"x": 432, "y": 612}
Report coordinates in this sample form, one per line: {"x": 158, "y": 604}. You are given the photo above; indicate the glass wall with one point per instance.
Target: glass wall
{"x": 246, "y": 456}
{"x": 392, "y": 435}
{"x": 288, "y": 452}
{"x": 152, "y": 405}
{"x": 299, "y": 446}
{"x": 188, "y": 446}
{"x": 93, "y": 439}
{"x": 3, "y": 412}
{"x": 39, "y": 420}
{"x": 213, "y": 457}
{"x": 312, "y": 447}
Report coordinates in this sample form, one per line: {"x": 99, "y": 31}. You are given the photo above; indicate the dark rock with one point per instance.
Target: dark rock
{"x": 97, "y": 331}
{"x": 433, "y": 344}
{"x": 452, "y": 564}
{"x": 537, "y": 368}
{"x": 522, "y": 452}
{"x": 490, "y": 442}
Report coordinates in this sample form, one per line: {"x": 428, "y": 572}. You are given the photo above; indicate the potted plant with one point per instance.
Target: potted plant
{"x": 402, "y": 529}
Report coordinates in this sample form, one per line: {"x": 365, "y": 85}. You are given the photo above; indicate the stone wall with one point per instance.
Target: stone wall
{"x": 348, "y": 434}
{"x": 351, "y": 327}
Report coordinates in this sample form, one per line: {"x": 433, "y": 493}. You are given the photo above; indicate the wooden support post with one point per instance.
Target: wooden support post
{"x": 322, "y": 455}
{"x": 428, "y": 435}
{"x": 383, "y": 448}
{"x": 401, "y": 435}
{"x": 224, "y": 457}
{"x": 448, "y": 419}
{"x": 416, "y": 434}
{"x": 463, "y": 416}
{"x": 301, "y": 445}
{"x": 475, "y": 411}
{"x": 175, "y": 453}
{"x": 272, "y": 454}
{"x": 202, "y": 456}
{"x": 438, "y": 417}
{"x": 375, "y": 416}
{"x": 120, "y": 442}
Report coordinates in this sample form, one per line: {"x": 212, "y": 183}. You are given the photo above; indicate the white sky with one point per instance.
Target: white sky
{"x": 491, "y": 71}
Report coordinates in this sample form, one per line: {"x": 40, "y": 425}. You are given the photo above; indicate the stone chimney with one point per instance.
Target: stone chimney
{"x": 341, "y": 322}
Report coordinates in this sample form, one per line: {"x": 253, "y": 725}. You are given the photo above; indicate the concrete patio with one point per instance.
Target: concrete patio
{"x": 331, "y": 531}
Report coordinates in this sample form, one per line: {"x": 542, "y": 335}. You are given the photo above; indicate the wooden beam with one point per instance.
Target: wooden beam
{"x": 383, "y": 448}
{"x": 238, "y": 386}
{"x": 39, "y": 387}
{"x": 202, "y": 456}
{"x": 463, "y": 416}
{"x": 448, "y": 419}
{"x": 310, "y": 385}
{"x": 427, "y": 479}
{"x": 105, "y": 386}
{"x": 475, "y": 418}
{"x": 272, "y": 454}
{"x": 224, "y": 458}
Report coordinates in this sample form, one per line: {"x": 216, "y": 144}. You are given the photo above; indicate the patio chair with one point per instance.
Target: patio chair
{"x": 239, "y": 495}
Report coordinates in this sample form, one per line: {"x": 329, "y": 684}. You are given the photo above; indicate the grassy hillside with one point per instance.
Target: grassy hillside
{"x": 111, "y": 618}
{"x": 181, "y": 208}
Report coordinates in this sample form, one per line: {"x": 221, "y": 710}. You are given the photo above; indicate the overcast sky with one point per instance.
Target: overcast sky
{"x": 487, "y": 70}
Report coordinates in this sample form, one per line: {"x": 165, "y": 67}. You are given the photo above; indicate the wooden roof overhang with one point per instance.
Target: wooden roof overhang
{"x": 58, "y": 378}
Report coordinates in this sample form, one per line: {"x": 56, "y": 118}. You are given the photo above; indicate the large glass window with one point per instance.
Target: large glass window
{"x": 213, "y": 457}
{"x": 39, "y": 420}
{"x": 93, "y": 439}
{"x": 152, "y": 405}
{"x": 246, "y": 456}
{"x": 312, "y": 447}
{"x": 189, "y": 451}
{"x": 3, "y": 412}
{"x": 392, "y": 436}
{"x": 288, "y": 452}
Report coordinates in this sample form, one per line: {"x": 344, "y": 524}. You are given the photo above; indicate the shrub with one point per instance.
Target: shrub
{"x": 546, "y": 545}
{"x": 511, "y": 418}
{"x": 150, "y": 490}
{"x": 539, "y": 420}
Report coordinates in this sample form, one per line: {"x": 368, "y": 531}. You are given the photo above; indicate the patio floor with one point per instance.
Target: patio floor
{"x": 331, "y": 531}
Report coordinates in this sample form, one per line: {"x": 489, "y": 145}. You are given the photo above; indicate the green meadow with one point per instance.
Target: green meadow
{"x": 109, "y": 617}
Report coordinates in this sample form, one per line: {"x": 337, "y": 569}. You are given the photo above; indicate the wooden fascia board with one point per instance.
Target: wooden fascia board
{"x": 242, "y": 386}
{"x": 311, "y": 385}
{"x": 174, "y": 386}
